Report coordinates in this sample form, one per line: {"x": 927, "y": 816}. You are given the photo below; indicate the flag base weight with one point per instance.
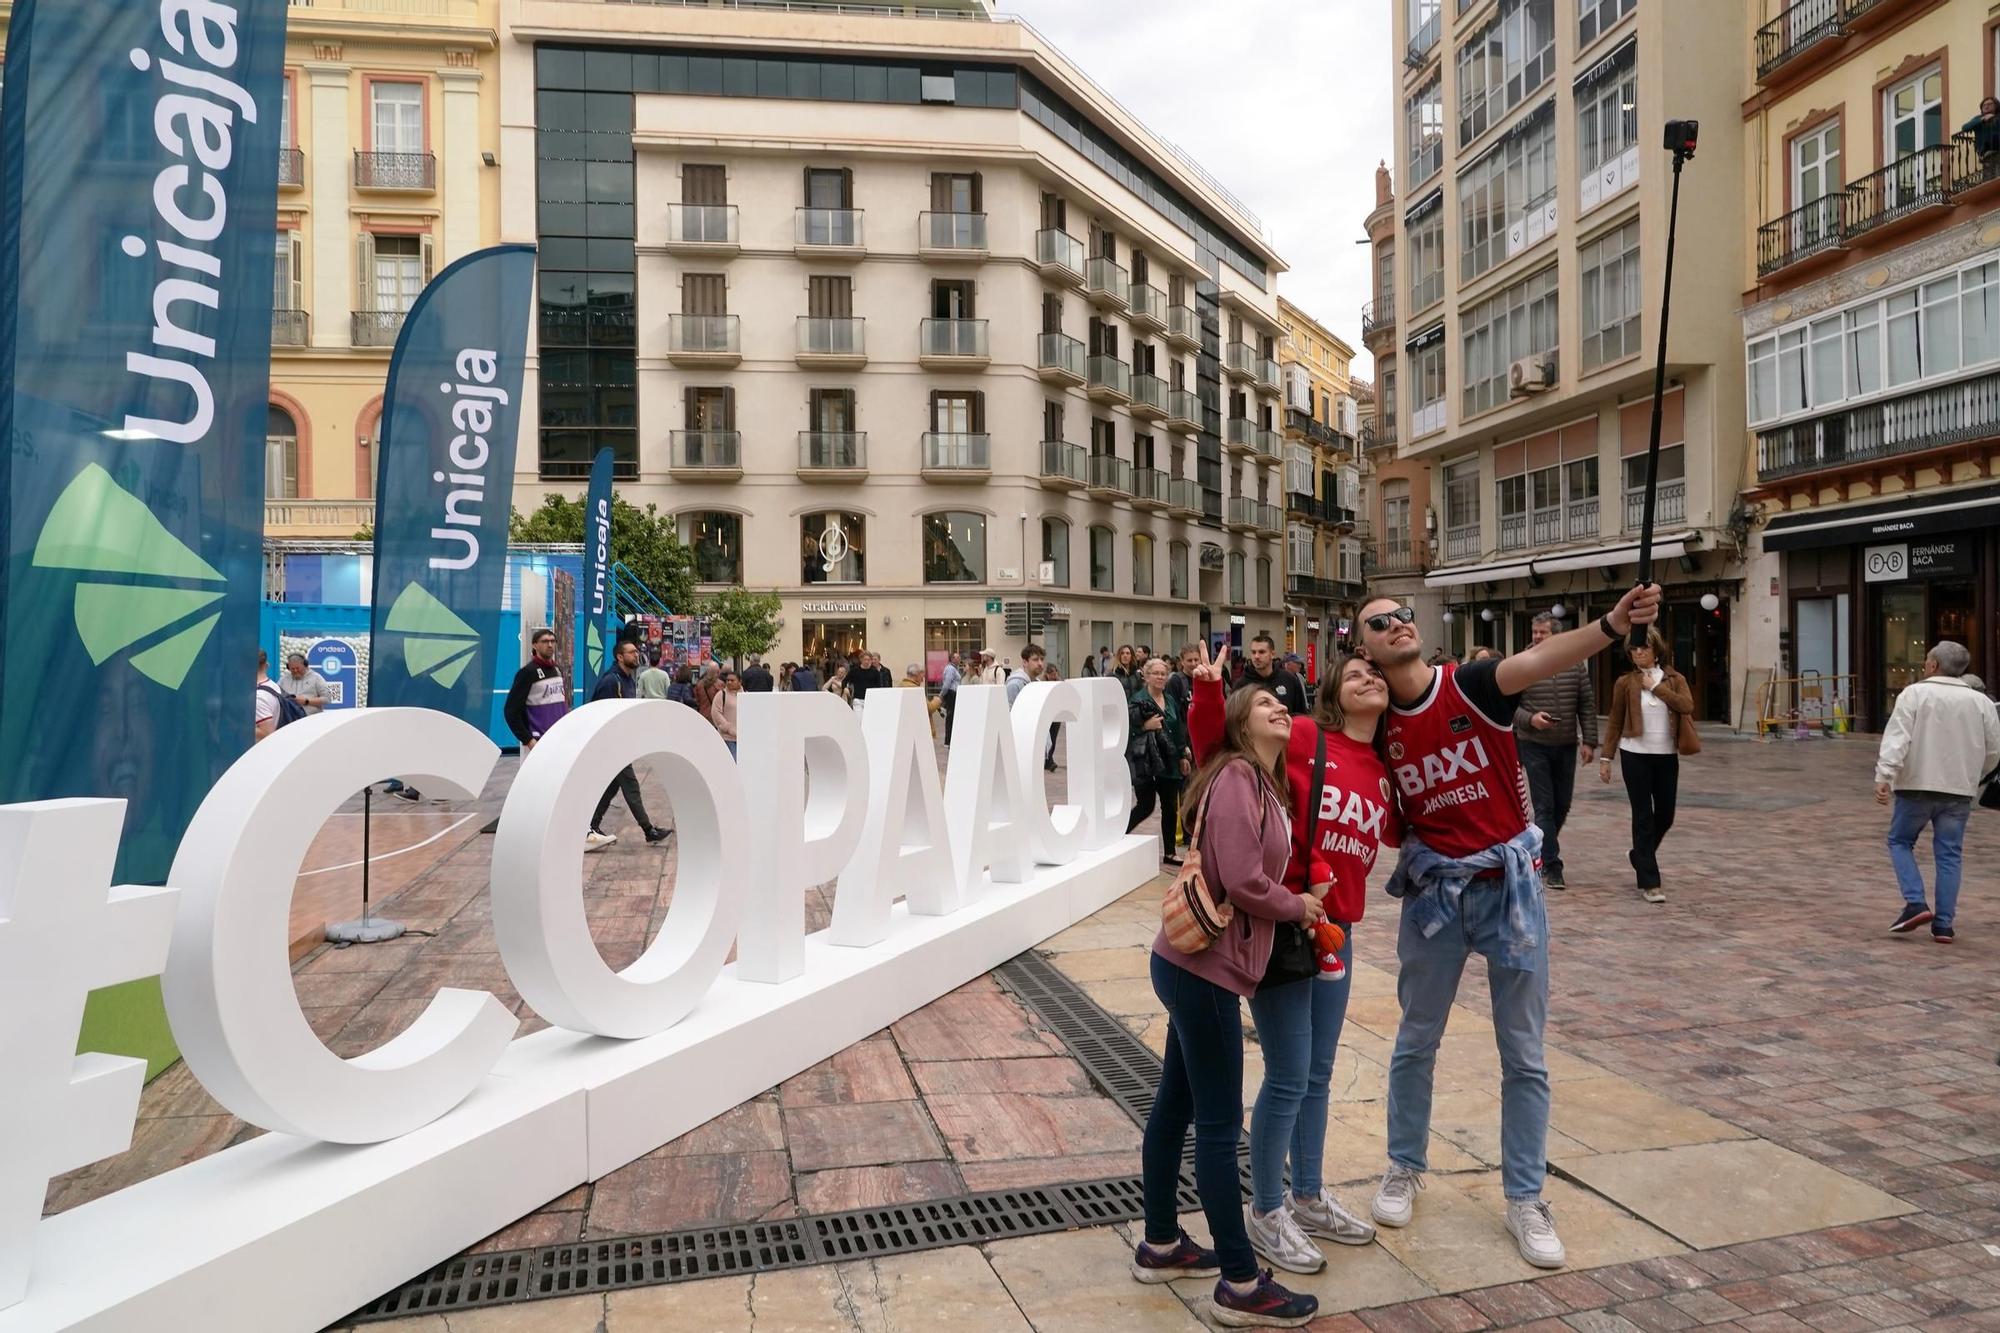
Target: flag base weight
{"x": 368, "y": 930}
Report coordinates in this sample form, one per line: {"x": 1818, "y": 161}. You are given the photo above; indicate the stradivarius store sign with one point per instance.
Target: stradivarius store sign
{"x": 380, "y": 1166}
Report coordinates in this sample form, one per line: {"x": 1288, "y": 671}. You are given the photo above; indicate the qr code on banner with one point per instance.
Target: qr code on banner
{"x": 336, "y": 693}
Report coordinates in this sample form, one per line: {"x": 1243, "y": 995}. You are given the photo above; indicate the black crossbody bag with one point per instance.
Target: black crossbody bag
{"x": 1294, "y": 952}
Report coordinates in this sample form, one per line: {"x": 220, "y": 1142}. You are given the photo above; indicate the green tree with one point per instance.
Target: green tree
{"x": 644, "y": 540}
{"x": 742, "y": 622}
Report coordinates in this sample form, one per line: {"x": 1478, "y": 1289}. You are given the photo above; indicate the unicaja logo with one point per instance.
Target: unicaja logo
{"x": 600, "y": 537}
{"x": 473, "y": 401}
{"x": 436, "y": 643}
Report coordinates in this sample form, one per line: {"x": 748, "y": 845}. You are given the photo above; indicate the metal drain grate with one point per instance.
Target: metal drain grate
{"x": 1116, "y": 1061}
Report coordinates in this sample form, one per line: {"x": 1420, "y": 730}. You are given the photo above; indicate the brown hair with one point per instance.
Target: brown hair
{"x": 1233, "y": 747}
{"x": 1658, "y": 643}
{"x": 1327, "y": 711}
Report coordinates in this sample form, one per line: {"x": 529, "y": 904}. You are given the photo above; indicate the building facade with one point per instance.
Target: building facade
{"x": 1527, "y": 247}
{"x": 1871, "y": 326}
{"x": 902, "y": 318}
{"x": 1320, "y": 424}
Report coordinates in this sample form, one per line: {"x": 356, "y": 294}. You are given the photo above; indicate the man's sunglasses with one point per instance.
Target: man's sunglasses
{"x": 1381, "y": 621}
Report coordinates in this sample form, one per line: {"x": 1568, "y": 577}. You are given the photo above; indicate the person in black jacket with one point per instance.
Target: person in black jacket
{"x": 870, "y": 675}
{"x": 1263, "y": 671}
{"x": 539, "y": 696}
{"x": 756, "y": 677}
{"x": 621, "y": 683}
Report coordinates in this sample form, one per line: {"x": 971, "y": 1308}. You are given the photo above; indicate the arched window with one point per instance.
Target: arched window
{"x": 1102, "y": 574}
{"x": 833, "y": 548}
{"x": 716, "y": 540}
{"x": 1236, "y": 578}
{"x": 1263, "y": 581}
{"x": 281, "y": 454}
{"x": 1177, "y": 570}
{"x": 954, "y": 547}
{"x": 1055, "y": 551}
{"x": 1142, "y": 565}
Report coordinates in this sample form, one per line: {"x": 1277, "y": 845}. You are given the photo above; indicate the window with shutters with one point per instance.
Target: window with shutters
{"x": 1055, "y": 551}
{"x": 1052, "y": 420}
{"x": 829, "y": 187}
{"x": 1142, "y": 565}
{"x": 704, "y": 294}
{"x": 1103, "y": 436}
{"x": 1177, "y": 570}
{"x": 952, "y": 298}
{"x": 710, "y": 409}
{"x": 399, "y": 271}
{"x": 287, "y": 281}
{"x": 830, "y": 297}
{"x": 958, "y": 412}
{"x": 396, "y": 117}
{"x": 1102, "y": 573}
{"x": 281, "y": 454}
{"x": 954, "y": 547}
{"x": 1055, "y": 213}
{"x": 955, "y": 192}
{"x": 1263, "y": 580}
{"x": 702, "y": 184}
{"x": 1142, "y": 450}
{"x": 1103, "y": 244}
{"x": 831, "y": 410}
{"x": 1052, "y": 312}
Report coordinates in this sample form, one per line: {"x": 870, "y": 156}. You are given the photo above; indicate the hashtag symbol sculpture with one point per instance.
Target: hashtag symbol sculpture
{"x": 64, "y": 932}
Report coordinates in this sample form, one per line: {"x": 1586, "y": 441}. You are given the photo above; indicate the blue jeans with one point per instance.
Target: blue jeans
{"x": 732, "y": 748}
{"x": 1299, "y": 1028}
{"x": 1428, "y": 983}
{"x": 1201, "y": 1083}
{"x": 1946, "y": 816}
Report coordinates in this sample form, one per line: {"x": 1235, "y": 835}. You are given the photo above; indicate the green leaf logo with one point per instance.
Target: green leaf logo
{"x": 98, "y": 527}
{"x": 436, "y": 643}
{"x": 595, "y": 643}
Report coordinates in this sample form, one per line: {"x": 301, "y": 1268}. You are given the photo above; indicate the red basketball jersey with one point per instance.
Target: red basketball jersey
{"x": 1457, "y": 772}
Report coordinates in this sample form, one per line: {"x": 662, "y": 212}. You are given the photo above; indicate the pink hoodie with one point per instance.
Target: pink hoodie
{"x": 1246, "y": 841}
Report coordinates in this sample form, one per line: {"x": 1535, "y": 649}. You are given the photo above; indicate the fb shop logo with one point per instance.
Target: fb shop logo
{"x": 1887, "y": 562}
{"x": 151, "y": 585}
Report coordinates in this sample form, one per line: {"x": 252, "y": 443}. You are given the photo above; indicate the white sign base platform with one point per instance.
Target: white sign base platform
{"x": 281, "y": 1233}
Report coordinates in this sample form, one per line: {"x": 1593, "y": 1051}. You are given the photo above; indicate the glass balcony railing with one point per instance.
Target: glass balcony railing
{"x": 953, "y": 338}
{"x": 1056, "y": 249}
{"x": 832, "y": 336}
{"x": 1106, "y": 282}
{"x": 1063, "y": 461}
{"x": 699, "y": 449}
{"x": 1111, "y": 375}
{"x": 957, "y": 451}
{"x": 1183, "y": 325}
{"x": 1060, "y": 354}
{"x": 701, "y": 224}
{"x": 704, "y": 335}
{"x": 1266, "y": 371}
{"x": 1240, "y": 433}
{"x": 1149, "y": 393}
{"x": 833, "y": 450}
{"x": 1241, "y": 512}
{"x": 952, "y": 232}
{"x": 1149, "y": 305}
{"x": 1149, "y": 486}
{"x": 1240, "y": 360}
{"x": 1184, "y": 494}
{"x": 1108, "y": 472}
{"x": 1183, "y": 407}
{"x": 1266, "y": 443}
{"x": 827, "y": 228}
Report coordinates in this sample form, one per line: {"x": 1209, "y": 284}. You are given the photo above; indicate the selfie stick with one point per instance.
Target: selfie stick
{"x": 1680, "y": 141}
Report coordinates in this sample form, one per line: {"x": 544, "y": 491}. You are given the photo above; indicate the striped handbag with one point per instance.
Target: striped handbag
{"x": 1191, "y": 916}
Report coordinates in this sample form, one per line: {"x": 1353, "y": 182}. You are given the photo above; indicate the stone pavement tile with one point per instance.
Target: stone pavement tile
{"x": 1050, "y": 1076}
{"x": 1516, "y": 1303}
{"x": 1618, "y": 1115}
{"x": 1577, "y": 1291}
{"x": 1596, "y": 1321}
{"x": 974, "y": 1026}
{"x": 850, "y": 1187}
{"x": 569, "y": 1314}
{"x": 990, "y": 1127}
{"x": 1470, "y": 1121}
{"x": 668, "y": 1193}
{"x": 939, "y": 1289}
{"x": 1048, "y": 1170}
{"x": 805, "y": 1300}
{"x": 1151, "y": 1031}
{"x": 176, "y": 1093}
{"x": 157, "y": 1146}
{"x": 1357, "y": 1144}
{"x": 868, "y": 1071}
{"x": 754, "y": 1126}
{"x": 323, "y": 990}
{"x": 1096, "y": 933}
{"x": 1357, "y": 1079}
{"x": 1076, "y": 1282}
{"x": 539, "y": 1228}
{"x": 1125, "y": 995}
{"x": 1773, "y": 1191}
{"x": 1356, "y": 1277}
{"x": 866, "y": 1134}
{"x": 1129, "y": 964}
{"x": 1381, "y": 1014}
{"x": 954, "y": 1289}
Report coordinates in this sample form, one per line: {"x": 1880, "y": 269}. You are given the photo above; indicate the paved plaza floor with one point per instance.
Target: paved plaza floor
{"x": 1768, "y": 1113}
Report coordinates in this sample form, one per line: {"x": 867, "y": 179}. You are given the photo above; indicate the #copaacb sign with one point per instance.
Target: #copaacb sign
{"x": 379, "y": 1166}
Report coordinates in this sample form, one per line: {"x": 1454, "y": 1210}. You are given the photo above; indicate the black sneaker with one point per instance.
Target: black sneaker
{"x": 406, "y": 793}
{"x": 1268, "y": 1306}
{"x": 1185, "y": 1259}
{"x": 1942, "y": 934}
{"x": 1554, "y": 881}
{"x": 1912, "y": 917}
{"x": 658, "y": 834}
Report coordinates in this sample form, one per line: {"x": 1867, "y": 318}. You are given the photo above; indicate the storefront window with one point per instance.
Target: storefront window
{"x": 833, "y": 641}
{"x": 1055, "y": 551}
{"x": 944, "y": 637}
{"x": 833, "y": 548}
{"x": 717, "y": 543}
{"x": 954, "y": 548}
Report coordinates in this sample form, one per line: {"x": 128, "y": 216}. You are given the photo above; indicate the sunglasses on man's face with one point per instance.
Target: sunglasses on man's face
{"x": 1381, "y": 622}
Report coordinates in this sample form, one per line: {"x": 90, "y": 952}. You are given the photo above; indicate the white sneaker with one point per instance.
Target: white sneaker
{"x": 1396, "y": 1200}
{"x": 1277, "y": 1237}
{"x": 1534, "y": 1228}
{"x": 594, "y": 841}
{"x": 1324, "y": 1216}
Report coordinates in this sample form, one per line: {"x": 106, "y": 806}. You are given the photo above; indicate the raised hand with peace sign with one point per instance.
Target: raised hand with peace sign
{"x": 1213, "y": 669}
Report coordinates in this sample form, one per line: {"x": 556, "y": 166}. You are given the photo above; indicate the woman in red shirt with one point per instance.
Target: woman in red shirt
{"x": 1342, "y": 812}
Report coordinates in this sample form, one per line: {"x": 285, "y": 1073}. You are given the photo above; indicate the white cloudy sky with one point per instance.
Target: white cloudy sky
{"x": 1286, "y": 102}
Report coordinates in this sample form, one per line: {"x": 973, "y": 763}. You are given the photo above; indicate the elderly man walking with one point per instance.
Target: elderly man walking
{"x": 1942, "y": 739}
{"x": 1555, "y": 715}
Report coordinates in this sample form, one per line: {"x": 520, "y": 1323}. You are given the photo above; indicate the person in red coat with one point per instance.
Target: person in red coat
{"x": 1342, "y": 812}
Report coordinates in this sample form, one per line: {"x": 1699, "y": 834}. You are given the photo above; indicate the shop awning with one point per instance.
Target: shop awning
{"x": 1920, "y": 515}
{"x": 1603, "y": 557}
{"x": 1494, "y": 573}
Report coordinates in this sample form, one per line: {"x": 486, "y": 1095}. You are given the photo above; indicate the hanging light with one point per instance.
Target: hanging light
{"x": 1449, "y": 617}
{"x": 1558, "y": 610}
{"x": 1709, "y": 601}
{"x": 1486, "y": 614}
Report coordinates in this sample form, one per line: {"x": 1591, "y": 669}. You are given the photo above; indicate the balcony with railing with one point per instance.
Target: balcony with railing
{"x": 704, "y": 340}
{"x": 1513, "y": 531}
{"x": 1377, "y": 317}
{"x": 1580, "y": 521}
{"x": 713, "y": 454}
{"x": 1239, "y": 436}
{"x": 832, "y": 340}
{"x": 290, "y": 328}
{"x": 1183, "y": 327}
{"x": 1183, "y": 411}
{"x": 1184, "y": 496}
{"x": 1267, "y": 445}
{"x": 376, "y": 328}
{"x": 1669, "y": 504}
{"x": 395, "y": 171}
{"x": 828, "y": 233}
{"x": 291, "y": 168}
{"x": 702, "y": 229}
{"x": 1106, "y": 284}
{"x": 1799, "y": 27}
{"x": 1462, "y": 542}
{"x": 1059, "y": 358}
{"x": 1907, "y": 189}
{"x": 1065, "y": 466}
{"x": 1149, "y": 397}
{"x": 1109, "y": 380}
{"x": 1149, "y": 488}
{"x": 1423, "y": 42}
{"x": 1266, "y": 372}
{"x": 1973, "y": 174}
{"x": 957, "y": 456}
{"x": 1059, "y": 255}
{"x": 1109, "y": 477}
{"x": 951, "y": 235}
{"x": 1922, "y": 185}
{"x": 1812, "y": 229}
{"x": 1239, "y": 514}
{"x": 1270, "y": 518}
{"x": 1545, "y": 526}
{"x": 1312, "y": 588}
{"x": 1306, "y": 424}
{"x": 832, "y": 455}
{"x": 1399, "y": 555}
{"x": 1149, "y": 306}
{"x": 328, "y": 518}
{"x": 953, "y": 344}
{"x": 1240, "y": 359}
{"x": 1934, "y": 418}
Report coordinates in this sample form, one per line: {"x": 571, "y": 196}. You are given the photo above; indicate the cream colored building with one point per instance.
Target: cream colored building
{"x": 902, "y": 317}
{"x": 1322, "y": 472}
{"x": 1871, "y": 327}
{"x": 1520, "y": 271}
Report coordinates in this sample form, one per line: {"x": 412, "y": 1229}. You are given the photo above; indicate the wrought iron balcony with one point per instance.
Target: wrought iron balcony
{"x": 1905, "y": 187}
{"x": 1798, "y": 28}
{"x": 1462, "y": 542}
{"x": 376, "y": 328}
{"x": 832, "y": 451}
{"x": 1815, "y": 228}
{"x": 1400, "y": 556}
{"x": 291, "y": 168}
{"x": 1581, "y": 521}
{"x": 952, "y": 235}
{"x": 1513, "y": 531}
{"x": 1931, "y": 418}
{"x": 290, "y": 328}
{"x": 395, "y": 171}
{"x": 1377, "y": 317}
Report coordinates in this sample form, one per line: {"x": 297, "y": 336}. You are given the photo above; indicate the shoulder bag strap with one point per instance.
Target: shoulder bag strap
{"x": 1318, "y": 787}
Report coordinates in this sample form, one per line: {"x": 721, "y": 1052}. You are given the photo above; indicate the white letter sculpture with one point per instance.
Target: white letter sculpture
{"x": 814, "y": 827}
{"x": 538, "y": 916}
{"x": 228, "y": 982}
{"x": 904, "y": 845}
{"x": 984, "y": 794}
{"x": 1055, "y": 836}
{"x": 1105, "y": 787}
{"x": 64, "y": 932}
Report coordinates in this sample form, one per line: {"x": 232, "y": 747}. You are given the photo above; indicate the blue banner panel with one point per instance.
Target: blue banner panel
{"x": 596, "y": 571}
{"x": 450, "y": 417}
{"x": 138, "y": 183}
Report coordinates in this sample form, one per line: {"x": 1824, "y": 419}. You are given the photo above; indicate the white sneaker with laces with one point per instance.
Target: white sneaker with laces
{"x": 1396, "y": 1199}
{"x": 1323, "y": 1216}
{"x": 1277, "y": 1237}
{"x": 1534, "y": 1228}
{"x": 594, "y": 841}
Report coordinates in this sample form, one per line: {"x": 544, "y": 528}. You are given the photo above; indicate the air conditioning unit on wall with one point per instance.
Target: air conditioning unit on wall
{"x": 1530, "y": 375}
